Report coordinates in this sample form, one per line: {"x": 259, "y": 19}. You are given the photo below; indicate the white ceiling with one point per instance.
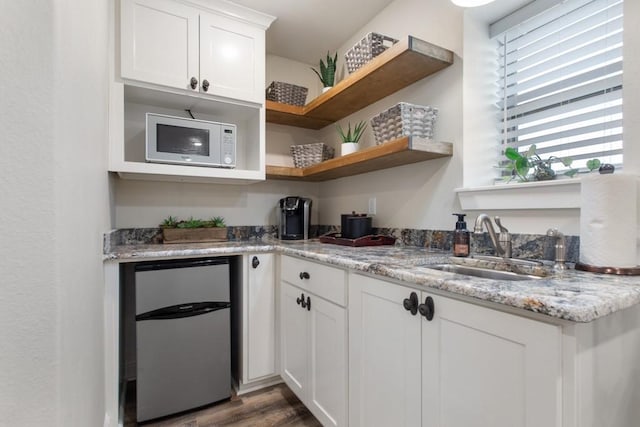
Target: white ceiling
{"x": 306, "y": 29}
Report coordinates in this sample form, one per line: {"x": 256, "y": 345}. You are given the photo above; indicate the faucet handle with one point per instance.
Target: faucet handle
{"x": 502, "y": 228}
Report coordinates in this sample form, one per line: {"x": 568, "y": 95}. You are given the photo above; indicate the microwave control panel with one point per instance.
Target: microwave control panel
{"x": 228, "y": 150}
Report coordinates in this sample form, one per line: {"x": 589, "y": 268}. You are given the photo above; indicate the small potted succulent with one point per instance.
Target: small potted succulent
{"x": 193, "y": 230}
{"x": 327, "y": 72}
{"x": 351, "y": 138}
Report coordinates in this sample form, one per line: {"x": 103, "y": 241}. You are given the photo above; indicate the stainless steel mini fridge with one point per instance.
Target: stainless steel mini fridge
{"x": 182, "y": 335}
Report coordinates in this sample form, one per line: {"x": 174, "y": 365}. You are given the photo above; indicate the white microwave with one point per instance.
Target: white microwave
{"x": 190, "y": 142}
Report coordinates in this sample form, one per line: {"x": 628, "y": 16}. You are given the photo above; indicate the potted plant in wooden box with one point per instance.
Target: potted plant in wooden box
{"x": 193, "y": 230}
{"x": 350, "y": 139}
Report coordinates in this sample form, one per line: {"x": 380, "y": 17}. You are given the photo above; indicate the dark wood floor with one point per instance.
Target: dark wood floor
{"x": 272, "y": 406}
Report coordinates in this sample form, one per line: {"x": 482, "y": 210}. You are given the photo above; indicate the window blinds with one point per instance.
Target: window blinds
{"x": 560, "y": 82}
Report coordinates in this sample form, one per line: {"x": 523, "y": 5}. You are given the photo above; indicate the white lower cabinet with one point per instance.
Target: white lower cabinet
{"x": 468, "y": 365}
{"x": 259, "y": 318}
{"x": 314, "y": 339}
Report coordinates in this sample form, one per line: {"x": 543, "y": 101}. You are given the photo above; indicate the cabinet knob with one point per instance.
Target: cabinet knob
{"x": 308, "y": 304}
{"x": 427, "y": 309}
{"x": 411, "y": 303}
{"x": 193, "y": 83}
{"x": 205, "y": 85}
{"x": 255, "y": 262}
{"x": 300, "y": 300}
{"x": 304, "y": 275}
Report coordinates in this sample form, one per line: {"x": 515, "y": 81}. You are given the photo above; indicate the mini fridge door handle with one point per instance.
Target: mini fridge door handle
{"x": 183, "y": 310}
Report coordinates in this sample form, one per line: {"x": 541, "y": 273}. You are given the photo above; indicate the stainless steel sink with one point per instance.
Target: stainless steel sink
{"x": 482, "y": 272}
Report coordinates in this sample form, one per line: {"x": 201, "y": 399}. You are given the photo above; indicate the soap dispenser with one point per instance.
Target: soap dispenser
{"x": 461, "y": 237}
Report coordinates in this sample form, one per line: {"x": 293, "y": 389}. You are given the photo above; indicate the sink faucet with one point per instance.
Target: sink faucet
{"x": 502, "y": 243}
{"x": 561, "y": 249}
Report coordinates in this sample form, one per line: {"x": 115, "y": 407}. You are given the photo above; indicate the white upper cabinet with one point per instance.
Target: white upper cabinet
{"x": 232, "y": 58}
{"x": 180, "y": 46}
{"x": 203, "y": 56}
{"x": 159, "y": 42}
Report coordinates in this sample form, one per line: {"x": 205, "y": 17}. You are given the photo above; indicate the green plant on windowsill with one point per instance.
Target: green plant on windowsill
{"x": 354, "y": 136}
{"x": 520, "y": 164}
{"x": 327, "y": 72}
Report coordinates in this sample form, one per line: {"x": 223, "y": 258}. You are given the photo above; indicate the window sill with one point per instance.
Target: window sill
{"x": 560, "y": 194}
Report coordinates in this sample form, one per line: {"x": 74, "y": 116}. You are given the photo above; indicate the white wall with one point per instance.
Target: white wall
{"x": 147, "y": 203}
{"x": 419, "y": 195}
{"x": 81, "y": 204}
{"x": 29, "y": 356}
{"x": 55, "y": 207}
{"x": 631, "y": 85}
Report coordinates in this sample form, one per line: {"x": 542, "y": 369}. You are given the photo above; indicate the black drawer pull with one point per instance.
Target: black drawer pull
{"x": 304, "y": 275}
{"x": 411, "y": 303}
{"x": 427, "y": 309}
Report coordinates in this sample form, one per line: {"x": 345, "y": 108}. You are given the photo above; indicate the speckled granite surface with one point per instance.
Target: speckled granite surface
{"x": 524, "y": 245}
{"x": 571, "y": 295}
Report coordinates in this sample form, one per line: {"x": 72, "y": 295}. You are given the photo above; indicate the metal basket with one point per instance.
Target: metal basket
{"x": 404, "y": 119}
{"x": 287, "y": 93}
{"x": 372, "y": 45}
{"x": 310, "y": 154}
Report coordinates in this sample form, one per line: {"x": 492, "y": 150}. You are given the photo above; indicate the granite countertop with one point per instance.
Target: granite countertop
{"x": 570, "y": 295}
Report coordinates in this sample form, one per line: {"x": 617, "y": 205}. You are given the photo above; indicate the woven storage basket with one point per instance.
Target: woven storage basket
{"x": 310, "y": 154}
{"x": 287, "y": 93}
{"x": 372, "y": 45}
{"x": 404, "y": 119}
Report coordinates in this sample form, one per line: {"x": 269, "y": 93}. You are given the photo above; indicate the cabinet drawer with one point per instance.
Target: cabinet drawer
{"x": 324, "y": 281}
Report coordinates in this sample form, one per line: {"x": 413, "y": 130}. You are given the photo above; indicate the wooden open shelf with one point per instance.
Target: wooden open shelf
{"x": 404, "y": 63}
{"x": 403, "y": 151}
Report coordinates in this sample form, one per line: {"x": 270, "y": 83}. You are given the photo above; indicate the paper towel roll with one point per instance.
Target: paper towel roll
{"x": 608, "y": 225}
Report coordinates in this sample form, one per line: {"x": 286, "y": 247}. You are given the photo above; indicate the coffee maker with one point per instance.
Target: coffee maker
{"x": 294, "y": 216}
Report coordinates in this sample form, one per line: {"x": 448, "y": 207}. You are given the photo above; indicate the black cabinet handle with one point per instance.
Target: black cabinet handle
{"x": 427, "y": 309}
{"x": 255, "y": 262}
{"x": 300, "y": 300}
{"x": 193, "y": 83}
{"x": 411, "y": 303}
{"x": 205, "y": 85}
{"x": 304, "y": 275}
{"x": 308, "y": 304}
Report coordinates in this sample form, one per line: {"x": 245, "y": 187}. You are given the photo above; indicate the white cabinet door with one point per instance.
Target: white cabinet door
{"x": 384, "y": 355}
{"x": 159, "y": 42}
{"x": 259, "y": 312}
{"x": 328, "y": 370}
{"x": 232, "y": 58}
{"x": 483, "y": 367}
{"x": 294, "y": 333}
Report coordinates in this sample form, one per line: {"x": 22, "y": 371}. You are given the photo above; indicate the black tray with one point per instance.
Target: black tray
{"x": 371, "y": 240}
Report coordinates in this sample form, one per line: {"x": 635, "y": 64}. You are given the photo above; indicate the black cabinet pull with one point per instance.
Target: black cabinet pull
{"x": 427, "y": 309}
{"x": 205, "y": 85}
{"x": 411, "y": 303}
{"x": 193, "y": 83}
{"x": 308, "y": 304}
{"x": 300, "y": 300}
{"x": 255, "y": 262}
{"x": 304, "y": 275}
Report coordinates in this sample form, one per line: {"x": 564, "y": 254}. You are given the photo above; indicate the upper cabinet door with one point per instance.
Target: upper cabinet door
{"x": 232, "y": 58}
{"x": 159, "y": 42}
